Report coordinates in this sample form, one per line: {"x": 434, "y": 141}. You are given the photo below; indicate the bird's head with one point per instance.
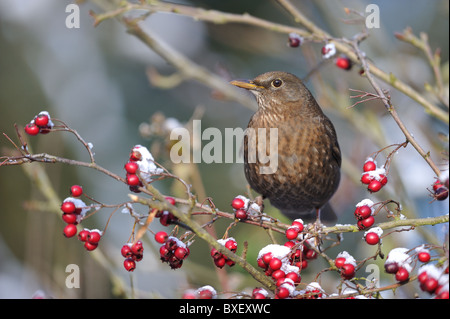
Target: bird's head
{"x": 277, "y": 89}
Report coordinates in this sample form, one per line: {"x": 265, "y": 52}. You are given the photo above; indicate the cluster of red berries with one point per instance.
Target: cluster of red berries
{"x": 174, "y": 252}
{"x": 434, "y": 280}
{"x": 373, "y": 235}
{"x": 346, "y": 265}
{"x": 440, "y": 190}
{"x": 398, "y": 262}
{"x": 90, "y": 238}
{"x": 133, "y": 252}
{"x": 40, "y": 124}
{"x": 280, "y": 263}
{"x": 205, "y": 292}
{"x": 374, "y": 177}
{"x": 244, "y": 207}
{"x": 364, "y": 214}
{"x": 294, "y": 230}
{"x": 140, "y": 165}
{"x": 221, "y": 260}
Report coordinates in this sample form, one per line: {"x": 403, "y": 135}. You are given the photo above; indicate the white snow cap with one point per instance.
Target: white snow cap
{"x": 147, "y": 166}
{"x": 365, "y": 202}
{"x": 328, "y": 50}
{"x": 400, "y": 257}
{"x": 207, "y": 287}
{"x": 278, "y": 251}
{"x": 376, "y": 230}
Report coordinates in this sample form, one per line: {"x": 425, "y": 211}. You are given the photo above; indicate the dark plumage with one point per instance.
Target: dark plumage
{"x": 309, "y": 157}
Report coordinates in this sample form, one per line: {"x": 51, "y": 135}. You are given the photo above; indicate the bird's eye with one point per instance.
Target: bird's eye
{"x": 277, "y": 83}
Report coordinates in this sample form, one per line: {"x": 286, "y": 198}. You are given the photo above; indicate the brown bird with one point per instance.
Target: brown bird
{"x": 306, "y": 172}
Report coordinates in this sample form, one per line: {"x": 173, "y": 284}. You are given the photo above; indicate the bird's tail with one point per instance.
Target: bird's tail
{"x": 327, "y": 214}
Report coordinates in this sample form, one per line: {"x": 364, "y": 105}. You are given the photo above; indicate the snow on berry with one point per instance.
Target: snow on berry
{"x": 206, "y": 292}
{"x": 399, "y": 257}
{"x": 295, "y": 40}
{"x": 348, "y": 259}
{"x": 328, "y": 50}
{"x": 372, "y": 236}
{"x": 146, "y": 162}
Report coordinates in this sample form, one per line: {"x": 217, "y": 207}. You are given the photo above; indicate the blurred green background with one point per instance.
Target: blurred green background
{"x": 94, "y": 79}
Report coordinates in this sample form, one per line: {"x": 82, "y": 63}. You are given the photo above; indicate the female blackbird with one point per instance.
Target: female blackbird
{"x": 307, "y": 170}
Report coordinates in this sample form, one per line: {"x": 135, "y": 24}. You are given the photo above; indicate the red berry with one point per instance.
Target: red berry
{"x": 374, "y": 186}
{"x": 362, "y": 212}
{"x": 129, "y": 264}
{"x": 171, "y": 200}
{"x": 267, "y": 257}
{"x": 391, "y": 268}
{"x": 180, "y": 252}
{"x": 76, "y": 190}
{"x": 137, "y": 248}
{"x": 131, "y": 167}
{"x": 240, "y": 214}
{"x": 383, "y": 179}
{"x": 82, "y": 235}
{"x": 161, "y": 237}
{"x": 70, "y": 218}
{"x": 372, "y": 238}
{"x": 90, "y": 246}
{"x": 344, "y": 63}
{"x": 70, "y": 230}
{"x": 258, "y": 295}
{"x": 422, "y": 277}
{"x": 126, "y": 251}
{"x": 369, "y": 166}
{"x": 237, "y": 203}
{"x": 366, "y": 223}
{"x": 133, "y": 180}
{"x": 366, "y": 179}
{"x": 298, "y": 224}
{"x": 278, "y": 274}
{"x": 291, "y": 233}
{"x": 294, "y": 277}
{"x": 441, "y": 193}
{"x": 401, "y": 275}
{"x": 275, "y": 263}
{"x": 32, "y": 129}
{"x": 231, "y": 245}
{"x": 164, "y": 253}
{"x": 294, "y": 40}
{"x": 205, "y": 294}
{"x": 41, "y": 120}
{"x": 339, "y": 262}
{"x": 282, "y": 292}
{"x": 135, "y": 156}
{"x": 220, "y": 262}
{"x": 424, "y": 256}
{"x": 94, "y": 237}
{"x": 68, "y": 207}
{"x": 261, "y": 263}
{"x": 430, "y": 285}
{"x": 348, "y": 271}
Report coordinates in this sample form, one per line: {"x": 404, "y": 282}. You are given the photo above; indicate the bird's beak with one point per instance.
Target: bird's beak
{"x": 246, "y": 84}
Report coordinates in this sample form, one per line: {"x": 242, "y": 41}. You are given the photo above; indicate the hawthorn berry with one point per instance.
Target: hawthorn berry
{"x": 41, "y": 120}
{"x": 68, "y": 207}
{"x": 292, "y": 233}
{"x": 131, "y": 167}
{"x": 344, "y": 63}
{"x": 372, "y": 238}
{"x": 137, "y": 248}
{"x": 365, "y": 223}
{"x": 133, "y": 180}
{"x": 430, "y": 285}
{"x": 299, "y": 224}
{"x": 391, "y": 268}
{"x": 83, "y": 235}
{"x": 32, "y": 129}
{"x": 181, "y": 252}
{"x": 401, "y": 275}
{"x": 339, "y": 262}
{"x": 220, "y": 262}
{"x": 275, "y": 263}
{"x": 90, "y": 246}
{"x": 369, "y": 166}
{"x": 363, "y": 212}
{"x": 94, "y": 237}
{"x": 424, "y": 256}
{"x": 366, "y": 179}
{"x": 237, "y": 203}
{"x": 348, "y": 271}
{"x": 70, "y": 230}
{"x": 70, "y": 218}
{"x": 76, "y": 190}
{"x": 240, "y": 214}
{"x": 161, "y": 237}
{"x": 374, "y": 186}
{"x": 129, "y": 264}
{"x": 171, "y": 200}
{"x": 295, "y": 40}
{"x": 282, "y": 293}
